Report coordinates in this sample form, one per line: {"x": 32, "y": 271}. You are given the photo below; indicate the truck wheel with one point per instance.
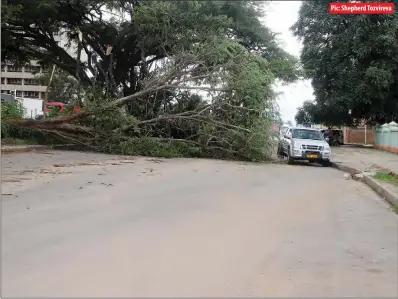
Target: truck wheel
{"x": 279, "y": 151}
{"x": 290, "y": 160}
{"x": 325, "y": 163}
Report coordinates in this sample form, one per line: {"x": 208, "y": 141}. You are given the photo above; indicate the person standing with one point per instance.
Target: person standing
{"x": 329, "y": 134}
{"x": 331, "y": 137}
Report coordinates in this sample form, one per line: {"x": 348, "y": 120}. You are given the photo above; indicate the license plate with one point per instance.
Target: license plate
{"x": 312, "y": 156}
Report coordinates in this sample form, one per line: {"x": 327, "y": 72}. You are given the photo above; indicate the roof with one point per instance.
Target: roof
{"x": 304, "y": 128}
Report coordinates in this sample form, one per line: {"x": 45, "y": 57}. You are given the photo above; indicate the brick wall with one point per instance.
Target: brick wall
{"x": 357, "y": 135}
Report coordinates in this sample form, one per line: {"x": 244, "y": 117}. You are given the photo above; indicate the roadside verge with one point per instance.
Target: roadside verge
{"x": 384, "y": 192}
{"x": 381, "y": 189}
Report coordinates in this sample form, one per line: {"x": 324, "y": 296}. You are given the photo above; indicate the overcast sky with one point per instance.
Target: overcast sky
{"x": 280, "y": 16}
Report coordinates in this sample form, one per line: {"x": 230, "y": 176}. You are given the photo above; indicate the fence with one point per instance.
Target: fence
{"x": 387, "y": 137}
{"x": 275, "y": 127}
{"x": 360, "y": 135}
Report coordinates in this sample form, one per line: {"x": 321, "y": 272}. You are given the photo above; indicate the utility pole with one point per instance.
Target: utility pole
{"x": 45, "y": 101}
{"x": 79, "y": 52}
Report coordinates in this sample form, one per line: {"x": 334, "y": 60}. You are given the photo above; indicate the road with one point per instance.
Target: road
{"x": 97, "y": 225}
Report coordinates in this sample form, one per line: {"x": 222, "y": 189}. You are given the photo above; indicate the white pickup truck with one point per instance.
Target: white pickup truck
{"x": 305, "y": 144}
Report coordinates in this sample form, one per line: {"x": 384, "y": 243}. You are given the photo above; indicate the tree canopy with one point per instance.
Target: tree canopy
{"x": 353, "y": 64}
{"x": 306, "y": 113}
{"x": 148, "y": 65}
{"x": 140, "y": 33}
{"x": 63, "y": 88}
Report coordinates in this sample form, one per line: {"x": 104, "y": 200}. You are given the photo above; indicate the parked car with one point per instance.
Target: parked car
{"x": 55, "y": 105}
{"x": 305, "y": 144}
{"x": 58, "y": 105}
{"x": 5, "y": 97}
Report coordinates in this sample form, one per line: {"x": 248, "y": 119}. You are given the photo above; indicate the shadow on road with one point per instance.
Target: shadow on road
{"x": 299, "y": 163}
{"x": 303, "y": 163}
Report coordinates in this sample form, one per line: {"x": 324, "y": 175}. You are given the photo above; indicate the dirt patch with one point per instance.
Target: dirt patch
{"x": 22, "y": 179}
{"x": 104, "y": 163}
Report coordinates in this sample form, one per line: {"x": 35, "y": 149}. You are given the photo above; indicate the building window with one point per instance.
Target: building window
{"x": 32, "y": 69}
{"x": 3, "y": 67}
{"x": 5, "y": 91}
{"x": 19, "y": 93}
{"x": 14, "y": 68}
{"x": 3, "y": 80}
{"x": 31, "y": 82}
{"x": 17, "y": 81}
{"x": 31, "y": 94}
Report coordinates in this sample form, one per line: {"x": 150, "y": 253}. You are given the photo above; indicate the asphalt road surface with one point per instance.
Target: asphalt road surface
{"x": 96, "y": 225}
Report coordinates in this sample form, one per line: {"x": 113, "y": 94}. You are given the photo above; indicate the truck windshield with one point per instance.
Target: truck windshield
{"x": 306, "y": 134}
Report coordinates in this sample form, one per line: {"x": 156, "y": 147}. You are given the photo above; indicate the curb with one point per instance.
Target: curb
{"x": 344, "y": 168}
{"x": 33, "y": 148}
{"x": 386, "y": 194}
{"x": 24, "y": 149}
{"x": 358, "y": 145}
{"x": 390, "y": 197}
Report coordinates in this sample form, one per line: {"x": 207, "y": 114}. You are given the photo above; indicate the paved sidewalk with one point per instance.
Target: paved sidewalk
{"x": 365, "y": 159}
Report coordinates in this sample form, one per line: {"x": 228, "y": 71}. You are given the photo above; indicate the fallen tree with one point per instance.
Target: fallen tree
{"x": 183, "y": 78}
{"x": 230, "y": 123}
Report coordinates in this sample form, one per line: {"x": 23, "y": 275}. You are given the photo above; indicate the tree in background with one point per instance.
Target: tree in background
{"x": 140, "y": 34}
{"x": 353, "y": 63}
{"x": 307, "y": 113}
{"x": 63, "y": 88}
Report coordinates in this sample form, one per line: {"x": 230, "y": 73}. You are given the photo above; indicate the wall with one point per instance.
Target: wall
{"x": 32, "y": 107}
{"x": 275, "y": 127}
{"x": 387, "y": 137}
{"x": 357, "y": 135}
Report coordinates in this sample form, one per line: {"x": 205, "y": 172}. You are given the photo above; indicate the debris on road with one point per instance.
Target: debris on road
{"x": 109, "y": 185}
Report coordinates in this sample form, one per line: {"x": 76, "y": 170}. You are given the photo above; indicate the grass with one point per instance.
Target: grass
{"x": 13, "y": 141}
{"x": 390, "y": 178}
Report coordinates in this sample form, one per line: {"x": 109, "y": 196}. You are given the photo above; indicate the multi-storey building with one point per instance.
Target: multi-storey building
{"x": 22, "y": 80}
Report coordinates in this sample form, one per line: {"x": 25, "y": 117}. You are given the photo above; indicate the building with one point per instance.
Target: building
{"x": 22, "y": 80}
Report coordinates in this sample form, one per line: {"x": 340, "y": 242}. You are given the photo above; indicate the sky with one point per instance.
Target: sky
{"x": 280, "y": 15}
